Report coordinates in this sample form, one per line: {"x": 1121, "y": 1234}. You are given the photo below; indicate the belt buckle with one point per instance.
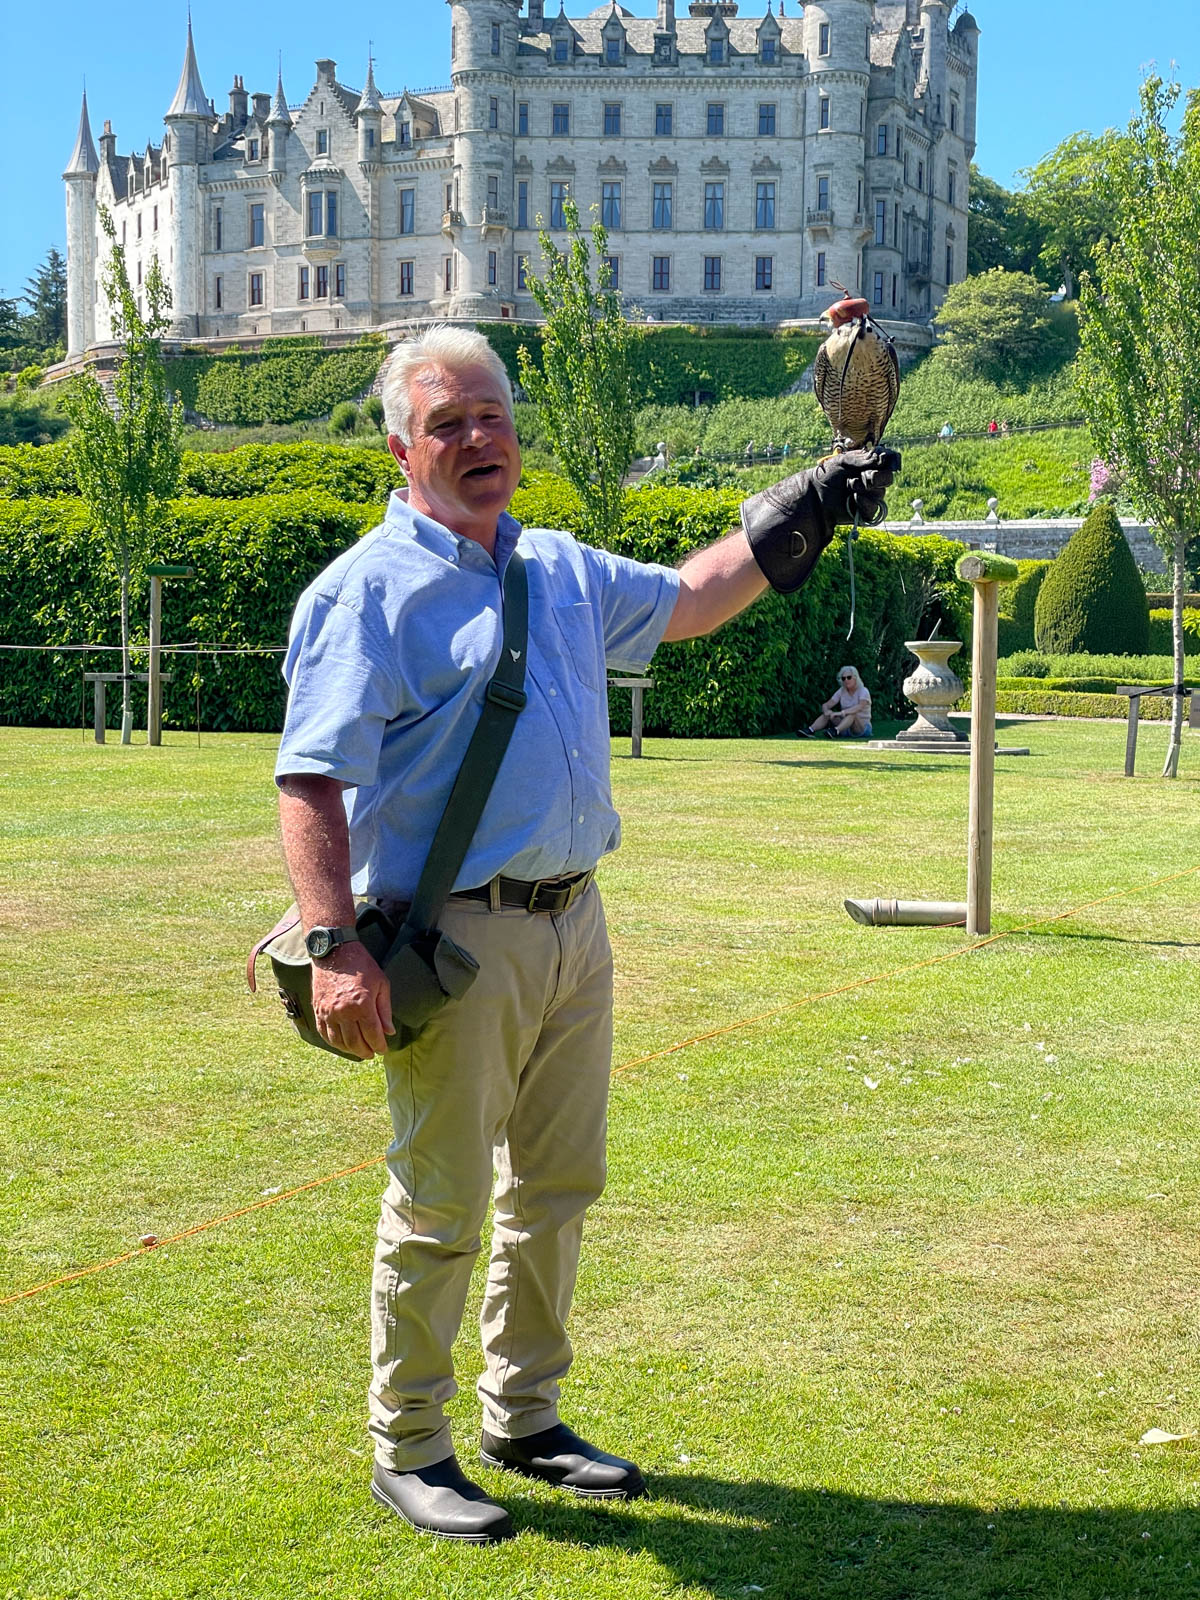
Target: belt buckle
{"x": 532, "y": 903}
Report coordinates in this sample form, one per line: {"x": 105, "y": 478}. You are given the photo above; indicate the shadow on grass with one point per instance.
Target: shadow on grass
{"x": 739, "y": 1538}
{"x": 1114, "y": 938}
{"x": 903, "y": 764}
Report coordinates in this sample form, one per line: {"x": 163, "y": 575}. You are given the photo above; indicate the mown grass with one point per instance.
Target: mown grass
{"x": 884, "y": 1290}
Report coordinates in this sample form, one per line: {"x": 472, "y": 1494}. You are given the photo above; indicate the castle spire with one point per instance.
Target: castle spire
{"x": 370, "y": 100}
{"x": 279, "y": 106}
{"x": 190, "y": 99}
{"x": 83, "y": 157}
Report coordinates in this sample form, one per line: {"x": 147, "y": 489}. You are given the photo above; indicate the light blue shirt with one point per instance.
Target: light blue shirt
{"x": 389, "y": 654}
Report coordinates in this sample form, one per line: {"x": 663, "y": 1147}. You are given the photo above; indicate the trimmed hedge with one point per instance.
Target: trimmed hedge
{"x": 1047, "y": 703}
{"x": 357, "y": 476}
{"x": 1019, "y": 600}
{"x": 1093, "y": 598}
{"x": 1162, "y": 629}
{"x": 289, "y": 380}
{"x": 761, "y": 673}
{"x": 1121, "y": 669}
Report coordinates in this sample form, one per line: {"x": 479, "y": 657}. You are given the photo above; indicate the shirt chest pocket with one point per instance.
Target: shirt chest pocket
{"x": 576, "y": 639}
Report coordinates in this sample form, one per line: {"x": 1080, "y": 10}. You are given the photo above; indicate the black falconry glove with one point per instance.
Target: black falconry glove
{"x": 789, "y": 524}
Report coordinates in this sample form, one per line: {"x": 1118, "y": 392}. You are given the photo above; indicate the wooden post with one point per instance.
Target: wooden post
{"x": 637, "y": 720}
{"x": 154, "y": 713}
{"x": 99, "y": 709}
{"x": 1131, "y": 733}
{"x": 985, "y": 572}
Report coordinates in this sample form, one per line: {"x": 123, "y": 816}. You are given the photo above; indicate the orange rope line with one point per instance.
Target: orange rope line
{"x": 624, "y": 1066}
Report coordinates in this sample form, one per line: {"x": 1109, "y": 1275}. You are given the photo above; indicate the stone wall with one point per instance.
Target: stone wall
{"x": 1033, "y": 538}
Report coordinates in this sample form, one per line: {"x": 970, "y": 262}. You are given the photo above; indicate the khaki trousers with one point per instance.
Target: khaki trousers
{"x": 513, "y": 1078}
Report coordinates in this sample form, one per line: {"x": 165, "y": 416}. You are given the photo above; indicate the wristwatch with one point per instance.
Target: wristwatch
{"x": 320, "y": 941}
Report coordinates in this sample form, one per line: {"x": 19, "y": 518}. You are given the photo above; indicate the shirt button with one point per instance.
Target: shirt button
{"x": 581, "y": 819}
{"x": 575, "y": 753}
{"x": 553, "y": 692}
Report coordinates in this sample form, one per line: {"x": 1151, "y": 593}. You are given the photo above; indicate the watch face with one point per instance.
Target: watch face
{"x": 319, "y": 942}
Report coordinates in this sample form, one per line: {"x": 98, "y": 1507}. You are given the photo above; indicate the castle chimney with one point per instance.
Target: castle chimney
{"x": 237, "y": 104}
{"x": 262, "y": 107}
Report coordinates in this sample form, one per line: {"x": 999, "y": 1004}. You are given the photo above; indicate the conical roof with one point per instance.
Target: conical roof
{"x": 190, "y": 99}
{"x": 279, "y": 106}
{"x": 370, "y": 96}
{"x": 83, "y": 157}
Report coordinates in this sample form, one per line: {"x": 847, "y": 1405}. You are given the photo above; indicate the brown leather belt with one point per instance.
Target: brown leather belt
{"x": 543, "y": 894}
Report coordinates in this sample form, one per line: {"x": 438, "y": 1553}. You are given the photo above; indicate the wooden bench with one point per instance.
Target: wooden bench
{"x": 1135, "y": 691}
{"x": 100, "y": 682}
{"x": 638, "y": 686}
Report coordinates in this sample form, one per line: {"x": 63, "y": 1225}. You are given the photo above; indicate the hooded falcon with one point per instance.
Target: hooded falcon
{"x": 856, "y": 376}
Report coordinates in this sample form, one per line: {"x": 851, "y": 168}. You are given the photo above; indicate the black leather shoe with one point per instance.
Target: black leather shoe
{"x": 441, "y": 1500}
{"x": 559, "y": 1456}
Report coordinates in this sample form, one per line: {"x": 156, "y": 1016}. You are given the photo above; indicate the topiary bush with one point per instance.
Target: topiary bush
{"x": 1093, "y": 599}
{"x": 1162, "y": 630}
{"x": 1019, "y": 600}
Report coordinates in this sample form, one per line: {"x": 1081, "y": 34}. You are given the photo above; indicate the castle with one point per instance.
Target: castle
{"x": 740, "y": 165}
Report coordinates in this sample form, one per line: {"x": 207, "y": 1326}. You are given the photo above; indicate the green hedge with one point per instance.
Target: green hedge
{"x": 359, "y": 476}
{"x": 1162, "y": 629}
{"x": 1122, "y": 669}
{"x": 289, "y": 380}
{"x": 1048, "y": 703}
{"x": 1019, "y": 600}
{"x": 1061, "y": 685}
{"x": 762, "y": 673}
{"x": 1092, "y": 597}
{"x": 671, "y": 364}
{"x": 251, "y": 557}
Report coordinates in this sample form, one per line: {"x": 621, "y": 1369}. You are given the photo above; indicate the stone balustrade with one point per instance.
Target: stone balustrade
{"x": 1026, "y": 538}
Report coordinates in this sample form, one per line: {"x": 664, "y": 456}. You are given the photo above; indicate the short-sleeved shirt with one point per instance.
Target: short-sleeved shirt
{"x": 389, "y": 654}
{"x": 854, "y": 699}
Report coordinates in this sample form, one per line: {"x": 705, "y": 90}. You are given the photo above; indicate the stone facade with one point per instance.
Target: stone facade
{"x": 742, "y": 166}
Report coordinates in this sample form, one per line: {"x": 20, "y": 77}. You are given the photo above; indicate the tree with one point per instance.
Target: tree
{"x": 583, "y": 390}
{"x": 127, "y": 454}
{"x": 1067, "y": 196}
{"x": 1000, "y": 230}
{"x": 10, "y": 322}
{"x": 995, "y": 324}
{"x": 1091, "y": 599}
{"x": 1140, "y": 357}
{"x": 46, "y": 296}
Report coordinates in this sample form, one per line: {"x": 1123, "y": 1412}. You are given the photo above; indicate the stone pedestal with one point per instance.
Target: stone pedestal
{"x": 934, "y": 688}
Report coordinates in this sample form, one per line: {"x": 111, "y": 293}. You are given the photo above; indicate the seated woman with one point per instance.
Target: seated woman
{"x": 847, "y": 714}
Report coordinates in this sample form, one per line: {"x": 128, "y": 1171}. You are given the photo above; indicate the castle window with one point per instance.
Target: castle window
{"x": 769, "y": 56}
{"x": 764, "y": 205}
{"x": 453, "y": 43}
{"x": 716, "y": 52}
{"x": 716, "y": 121}
{"x": 763, "y": 270}
{"x": 316, "y": 212}
{"x": 949, "y": 263}
{"x": 613, "y": 263}
{"x": 322, "y": 142}
{"x": 322, "y": 283}
{"x": 495, "y": 38}
{"x": 408, "y": 210}
{"x": 612, "y": 121}
{"x": 877, "y": 296}
{"x": 820, "y": 269}
{"x": 823, "y": 39}
{"x": 251, "y": 149}
{"x": 559, "y": 193}
{"x": 139, "y": 224}
{"x": 154, "y": 218}
{"x": 493, "y": 191}
{"x": 523, "y": 118}
{"x": 858, "y": 203}
{"x": 823, "y": 194}
{"x": 610, "y": 205}
{"x": 661, "y": 206}
{"x": 662, "y": 120}
{"x": 449, "y": 197}
{"x": 766, "y": 120}
{"x": 895, "y": 285}
{"x": 561, "y": 49}
{"x": 953, "y": 115}
{"x": 405, "y": 134}
{"x": 896, "y": 226}
{"x": 612, "y": 51}
{"x": 714, "y": 207}
{"x": 881, "y": 222}
{"x": 339, "y": 280}
{"x": 712, "y": 273}
{"x": 331, "y": 216}
{"x": 823, "y": 112}
{"x": 950, "y": 186}
{"x": 302, "y": 290}
{"x": 881, "y": 140}
{"x": 522, "y": 274}
{"x": 921, "y": 175}
{"x": 123, "y": 226}
{"x": 661, "y": 273}
{"x": 906, "y": 166}
{"x": 139, "y": 274}
{"x": 493, "y": 112}
{"x": 522, "y": 203}
{"x": 406, "y": 277}
{"x": 560, "y": 119}
{"x": 256, "y": 288}
{"x": 493, "y": 267}
{"x": 457, "y": 115}
{"x": 370, "y": 138}
{"x": 217, "y": 286}
{"x": 257, "y": 224}
{"x": 448, "y": 273}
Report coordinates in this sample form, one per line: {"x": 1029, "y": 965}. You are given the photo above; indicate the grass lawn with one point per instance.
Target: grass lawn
{"x": 884, "y": 1290}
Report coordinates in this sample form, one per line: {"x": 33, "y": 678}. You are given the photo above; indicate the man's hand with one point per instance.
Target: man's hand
{"x": 352, "y": 1001}
{"x": 789, "y": 524}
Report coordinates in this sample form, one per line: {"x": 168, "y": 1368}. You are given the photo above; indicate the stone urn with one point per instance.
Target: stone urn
{"x": 934, "y": 688}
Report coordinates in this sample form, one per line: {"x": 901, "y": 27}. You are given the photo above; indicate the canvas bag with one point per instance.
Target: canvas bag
{"x": 425, "y": 968}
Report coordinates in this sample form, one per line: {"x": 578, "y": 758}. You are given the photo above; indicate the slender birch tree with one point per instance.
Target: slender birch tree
{"x": 584, "y": 389}
{"x": 127, "y": 452}
{"x": 1140, "y": 335}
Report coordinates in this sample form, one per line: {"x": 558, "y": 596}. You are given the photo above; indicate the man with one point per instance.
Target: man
{"x": 390, "y": 652}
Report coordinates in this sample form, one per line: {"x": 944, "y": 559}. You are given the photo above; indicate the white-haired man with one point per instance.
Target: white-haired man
{"x": 391, "y": 650}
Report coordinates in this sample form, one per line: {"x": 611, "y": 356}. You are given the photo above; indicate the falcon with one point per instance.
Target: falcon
{"x": 856, "y": 376}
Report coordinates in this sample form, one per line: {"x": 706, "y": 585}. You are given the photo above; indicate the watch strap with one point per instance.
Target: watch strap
{"x": 337, "y": 936}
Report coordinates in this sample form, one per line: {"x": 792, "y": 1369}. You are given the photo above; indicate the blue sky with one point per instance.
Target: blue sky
{"x": 1048, "y": 68}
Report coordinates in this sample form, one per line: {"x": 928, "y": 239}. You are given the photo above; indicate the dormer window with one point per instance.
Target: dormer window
{"x": 406, "y": 133}
{"x": 561, "y": 49}
{"x": 612, "y": 51}
{"x": 768, "y": 51}
{"x": 322, "y": 143}
{"x": 716, "y": 51}
{"x": 251, "y": 149}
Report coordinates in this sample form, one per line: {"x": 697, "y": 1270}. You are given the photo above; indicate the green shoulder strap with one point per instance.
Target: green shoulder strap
{"x": 503, "y": 702}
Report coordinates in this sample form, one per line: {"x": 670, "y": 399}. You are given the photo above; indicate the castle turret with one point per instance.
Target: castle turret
{"x": 189, "y": 121}
{"x": 837, "y": 52}
{"x": 477, "y": 230}
{"x": 966, "y": 36}
{"x": 279, "y": 126}
{"x": 80, "y": 178}
{"x": 934, "y": 18}
{"x": 369, "y": 116}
